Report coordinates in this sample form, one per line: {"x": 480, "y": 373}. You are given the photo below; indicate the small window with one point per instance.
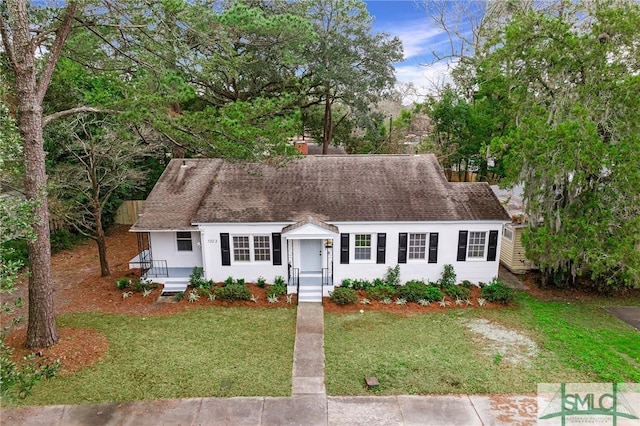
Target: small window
{"x": 184, "y": 241}
{"x": 476, "y": 246}
{"x": 261, "y": 248}
{"x": 241, "y": 250}
{"x": 417, "y": 246}
{"x": 508, "y": 233}
{"x": 363, "y": 247}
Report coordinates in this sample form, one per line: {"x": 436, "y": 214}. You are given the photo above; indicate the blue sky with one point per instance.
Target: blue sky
{"x": 420, "y": 36}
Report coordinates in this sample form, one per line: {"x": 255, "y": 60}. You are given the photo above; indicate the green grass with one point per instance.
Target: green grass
{"x": 207, "y": 352}
{"x": 435, "y": 353}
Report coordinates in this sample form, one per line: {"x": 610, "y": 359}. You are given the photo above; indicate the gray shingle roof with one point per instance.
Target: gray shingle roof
{"x": 343, "y": 188}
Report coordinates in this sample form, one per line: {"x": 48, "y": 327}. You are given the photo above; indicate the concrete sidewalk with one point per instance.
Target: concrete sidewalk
{"x": 308, "y": 353}
{"x": 296, "y": 410}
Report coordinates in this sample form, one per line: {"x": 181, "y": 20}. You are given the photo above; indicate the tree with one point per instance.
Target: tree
{"x": 103, "y": 161}
{"x": 20, "y": 40}
{"x": 568, "y": 79}
{"x": 348, "y": 64}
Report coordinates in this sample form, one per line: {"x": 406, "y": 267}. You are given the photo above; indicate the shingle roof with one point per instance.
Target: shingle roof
{"x": 345, "y": 188}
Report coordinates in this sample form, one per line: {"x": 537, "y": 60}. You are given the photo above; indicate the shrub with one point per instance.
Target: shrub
{"x": 261, "y": 282}
{"x": 233, "y": 292}
{"x": 344, "y": 296}
{"x": 196, "y": 279}
{"x": 142, "y": 285}
{"x": 346, "y": 283}
{"x": 123, "y": 283}
{"x": 457, "y": 292}
{"x": 412, "y": 291}
{"x": 240, "y": 281}
{"x": 279, "y": 280}
{"x": 433, "y": 293}
{"x": 379, "y": 293}
{"x": 276, "y": 290}
{"x": 392, "y": 276}
{"x": 228, "y": 281}
{"x": 448, "y": 277}
{"x": 64, "y": 239}
{"x": 467, "y": 284}
{"x": 497, "y": 291}
{"x": 377, "y": 282}
{"x": 178, "y": 296}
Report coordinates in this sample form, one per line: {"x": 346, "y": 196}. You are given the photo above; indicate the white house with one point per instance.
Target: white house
{"x": 316, "y": 221}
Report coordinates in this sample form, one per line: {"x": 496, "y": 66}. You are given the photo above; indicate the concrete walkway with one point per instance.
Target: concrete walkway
{"x": 308, "y": 353}
{"x": 304, "y": 410}
{"x": 308, "y": 405}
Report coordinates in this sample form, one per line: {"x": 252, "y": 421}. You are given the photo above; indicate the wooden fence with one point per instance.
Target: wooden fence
{"x": 127, "y": 213}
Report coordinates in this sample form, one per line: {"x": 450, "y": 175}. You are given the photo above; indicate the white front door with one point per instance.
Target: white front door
{"x": 310, "y": 255}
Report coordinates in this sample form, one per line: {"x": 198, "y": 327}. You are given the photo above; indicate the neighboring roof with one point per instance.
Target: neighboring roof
{"x": 347, "y": 188}
{"x": 511, "y": 199}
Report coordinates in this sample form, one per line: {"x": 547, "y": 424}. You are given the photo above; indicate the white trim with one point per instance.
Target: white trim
{"x": 373, "y": 247}
{"x": 486, "y": 246}
{"x": 252, "y": 254}
{"x": 511, "y": 231}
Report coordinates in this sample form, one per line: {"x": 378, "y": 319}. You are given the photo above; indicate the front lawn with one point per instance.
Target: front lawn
{"x": 438, "y": 353}
{"x": 205, "y": 352}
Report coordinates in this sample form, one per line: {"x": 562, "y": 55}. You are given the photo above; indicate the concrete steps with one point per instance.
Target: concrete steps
{"x": 310, "y": 292}
{"x": 175, "y": 286}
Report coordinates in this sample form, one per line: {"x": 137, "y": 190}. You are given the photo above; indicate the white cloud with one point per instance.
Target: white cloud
{"x": 426, "y": 79}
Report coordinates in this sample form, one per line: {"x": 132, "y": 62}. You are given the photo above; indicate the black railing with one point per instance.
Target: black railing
{"x": 325, "y": 277}
{"x": 295, "y": 278}
{"x": 154, "y": 268}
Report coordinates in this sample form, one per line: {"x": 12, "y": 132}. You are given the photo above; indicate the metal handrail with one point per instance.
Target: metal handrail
{"x": 296, "y": 280}
{"x": 325, "y": 276}
{"x": 154, "y": 268}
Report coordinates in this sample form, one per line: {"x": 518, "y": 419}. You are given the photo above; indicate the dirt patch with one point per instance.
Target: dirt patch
{"x": 512, "y": 346}
{"x": 78, "y": 348}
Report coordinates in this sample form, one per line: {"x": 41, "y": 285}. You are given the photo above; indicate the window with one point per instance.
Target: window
{"x": 261, "y": 248}
{"x": 476, "y": 245}
{"x": 251, "y": 249}
{"x": 417, "y": 246}
{"x": 184, "y": 241}
{"x": 508, "y": 233}
{"x": 241, "y": 250}
{"x": 363, "y": 247}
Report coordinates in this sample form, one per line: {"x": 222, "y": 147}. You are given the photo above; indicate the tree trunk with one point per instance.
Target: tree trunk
{"x": 41, "y": 330}
{"x": 102, "y": 253}
{"x": 328, "y": 124}
{"x": 20, "y": 51}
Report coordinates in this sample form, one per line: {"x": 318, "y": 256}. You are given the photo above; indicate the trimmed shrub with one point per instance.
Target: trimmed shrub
{"x": 457, "y": 292}
{"x": 412, "y": 291}
{"x": 276, "y": 290}
{"x": 433, "y": 294}
{"x": 261, "y": 282}
{"x": 380, "y": 293}
{"x": 228, "y": 281}
{"x": 233, "y": 292}
{"x": 497, "y": 291}
{"x": 344, "y": 296}
{"x": 123, "y": 283}
{"x": 361, "y": 285}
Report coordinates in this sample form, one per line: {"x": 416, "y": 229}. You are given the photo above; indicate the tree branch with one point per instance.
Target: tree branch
{"x": 60, "y": 114}
{"x": 8, "y": 47}
{"x": 61, "y": 36}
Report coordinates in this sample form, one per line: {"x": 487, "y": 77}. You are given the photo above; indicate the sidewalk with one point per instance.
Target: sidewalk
{"x": 296, "y": 410}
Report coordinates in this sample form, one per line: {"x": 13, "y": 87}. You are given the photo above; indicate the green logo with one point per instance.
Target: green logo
{"x": 594, "y": 399}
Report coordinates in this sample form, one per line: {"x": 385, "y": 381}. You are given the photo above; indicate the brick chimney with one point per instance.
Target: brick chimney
{"x": 302, "y": 147}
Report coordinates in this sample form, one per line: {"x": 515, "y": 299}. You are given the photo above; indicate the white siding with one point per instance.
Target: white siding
{"x": 164, "y": 246}
{"x": 250, "y": 271}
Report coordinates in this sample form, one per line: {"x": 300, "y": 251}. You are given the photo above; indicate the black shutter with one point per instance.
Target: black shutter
{"x": 381, "y": 247}
{"x": 493, "y": 245}
{"x": 344, "y": 248}
{"x": 226, "y": 252}
{"x": 433, "y": 247}
{"x": 402, "y": 247}
{"x": 462, "y": 246}
{"x": 276, "y": 241}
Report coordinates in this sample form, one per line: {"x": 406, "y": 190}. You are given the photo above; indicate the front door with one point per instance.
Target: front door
{"x": 310, "y": 255}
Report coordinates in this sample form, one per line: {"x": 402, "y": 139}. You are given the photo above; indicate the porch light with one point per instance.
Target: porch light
{"x": 328, "y": 243}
